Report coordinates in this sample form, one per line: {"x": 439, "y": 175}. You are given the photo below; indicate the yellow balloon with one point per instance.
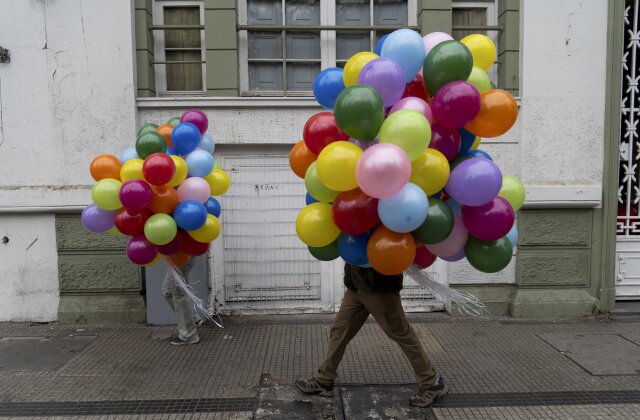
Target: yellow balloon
{"x": 315, "y": 226}
{"x": 476, "y": 143}
{"x": 355, "y": 65}
{"x": 207, "y": 232}
{"x": 430, "y": 171}
{"x": 181, "y": 171}
{"x": 482, "y": 49}
{"x": 219, "y": 181}
{"x": 132, "y": 169}
{"x": 155, "y": 260}
{"x": 337, "y": 165}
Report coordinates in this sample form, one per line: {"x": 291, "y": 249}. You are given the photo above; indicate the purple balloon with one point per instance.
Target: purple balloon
{"x": 433, "y": 39}
{"x": 135, "y": 195}
{"x": 386, "y": 77}
{"x": 140, "y": 251}
{"x": 445, "y": 140}
{"x": 456, "y": 257}
{"x": 363, "y": 144}
{"x": 170, "y": 248}
{"x": 197, "y": 118}
{"x": 490, "y": 221}
{"x": 474, "y": 182}
{"x": 97, "y": 220}
{"x": 456, "y": 104}
{"x": 417, "y": 104}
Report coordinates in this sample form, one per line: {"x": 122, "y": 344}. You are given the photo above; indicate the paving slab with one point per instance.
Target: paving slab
{"x": 382, "y": 403}
{"x": 286, "y": 402}
{"x": 39, "y": 353}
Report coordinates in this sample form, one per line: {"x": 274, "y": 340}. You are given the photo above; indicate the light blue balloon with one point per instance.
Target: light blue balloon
{"x": 513, "y": 235}
{"x": 207, "y": 143}
{"x": 128, "y": 154}
{"x": 406, "y": 210}
{"x": 406, "y": 48}
{"x": 455, "y": 207}
{"x": 200, "y": 163}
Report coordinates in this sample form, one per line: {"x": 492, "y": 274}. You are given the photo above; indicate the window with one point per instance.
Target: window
{"x": 475, "y": 15}
{"x": 179, "y": 51}
{"x": 284, "y": 48}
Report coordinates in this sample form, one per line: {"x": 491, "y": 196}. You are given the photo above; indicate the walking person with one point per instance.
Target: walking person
{"x": 187, "y": 318}
{"x": 369, "y": 292}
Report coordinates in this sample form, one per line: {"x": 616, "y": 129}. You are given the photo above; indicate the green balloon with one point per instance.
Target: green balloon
{"x": 359, "y": 112}
{"x": 513, "y": 191}
{"x": 407, "y": 129}
{"x": 160, "y": 229}
{"x": 149, "y": 143}
{"x": 437, "y": 226}
{"x": 174, "y": 121}
{"x": 457, "y": 161}
{"x": 316, "y": 188}
{"x": 106, "y": 194}
{"x": 216, "y": 165}
{"x": 446, "y": 62}
{"x": 480, "y": 79}
{"x": 488, "y": 256}
{"x": 326, "y": 253}
{"x": 147, "y": 128}
{"x": 493, "y": 86}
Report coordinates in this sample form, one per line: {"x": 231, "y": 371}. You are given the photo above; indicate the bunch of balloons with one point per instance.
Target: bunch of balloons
{"x": 393, "y": 174}
{"x": 160, "y": 191}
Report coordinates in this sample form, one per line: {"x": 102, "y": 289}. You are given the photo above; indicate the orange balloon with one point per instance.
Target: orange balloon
{"x": 390, "y": 252}
{"x": 164, "y": 199}
{"x": 165, "y": 131}
{"x": 300, "y": 158}
{"x": 497, "y": 115}
{"x": 180, "y": 258}
{"x": 105, "y": 166}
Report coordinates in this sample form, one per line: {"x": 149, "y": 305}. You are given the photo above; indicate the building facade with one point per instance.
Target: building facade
{"x": 81, "y": 76}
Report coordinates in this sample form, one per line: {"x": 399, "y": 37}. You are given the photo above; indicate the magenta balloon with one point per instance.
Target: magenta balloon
{"x": 490, "y": 221}
{"x": 455, "y": 242}
{"x": 433, "y": 39}
{"x": 363, "y": 144}
{"x": 135, "y": 195}
{"x": 457, "y": 257}
{"x": 197, "y": 118}
{"x": 140, "y": 251}
{"x": 170, "y": 248}
{"x": 417, "y": 104}
{"x": 382, "y": 170}
{"x": 474, "y": 182}
{"x": 194, "y": 188}
{"x": 98, "y": 220}
{"x": 386, "y": 77}
{"x": 456, "y": 104}
{"x": 445, "y": 140}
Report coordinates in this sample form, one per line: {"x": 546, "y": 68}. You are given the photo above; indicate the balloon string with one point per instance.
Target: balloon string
{"x": 199, "y": 304}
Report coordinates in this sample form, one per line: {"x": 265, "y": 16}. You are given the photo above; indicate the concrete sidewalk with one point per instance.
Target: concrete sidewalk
{"x": 497, "y": 369}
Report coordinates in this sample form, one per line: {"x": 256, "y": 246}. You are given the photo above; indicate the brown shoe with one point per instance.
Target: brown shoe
{"x": 426, "y": 396}
{"x": 312, "y": 386}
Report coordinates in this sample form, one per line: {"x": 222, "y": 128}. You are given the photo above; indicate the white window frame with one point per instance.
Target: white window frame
{"x": 327, "y": 45}
{"x": 160, "y": 70}
{"x": 492, "y": 20}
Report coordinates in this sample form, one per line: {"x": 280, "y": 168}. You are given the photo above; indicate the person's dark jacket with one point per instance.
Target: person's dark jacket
{"x": 369, "y": 280}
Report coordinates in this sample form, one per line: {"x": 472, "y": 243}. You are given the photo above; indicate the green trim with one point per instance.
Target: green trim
{"x": 221, "y": 42}
{"x": 509, "y": 46}
{"x": 145, "y": 73}
{"x": 434, "y": 16}
{"x": 497, "y": 298}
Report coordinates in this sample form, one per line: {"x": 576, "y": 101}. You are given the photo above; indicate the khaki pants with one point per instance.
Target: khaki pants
{"x": 386, "y": 309}
{"x": 186, "y": 317}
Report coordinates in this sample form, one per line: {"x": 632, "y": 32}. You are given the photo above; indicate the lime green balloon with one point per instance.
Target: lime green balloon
{"x": 407, "y": 129}
{"x": 174, "y": 121}
{"x": 513, "y": 191}
{"x": 480, "y": 79}
{"x": 149, "y": 143}
{"x": 316, "y": 188}
{"x": 147, "y": 128}
{"x": 326, "y": 253}
{"x": 114, "y": 231}
{"x": 437, "y": 226}
{"x": 359, "y": 112}
{"x": 106, "y": 194}
{"x": 446, "y": 62}
{"x": 488, "y": 256}
{"x": 216, "y": 165}
{"x": 160, "y": 229}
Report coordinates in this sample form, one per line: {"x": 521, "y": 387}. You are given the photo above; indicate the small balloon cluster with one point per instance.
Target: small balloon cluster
{"x": 160, "y": 192}
{"x": 393, "y": 174}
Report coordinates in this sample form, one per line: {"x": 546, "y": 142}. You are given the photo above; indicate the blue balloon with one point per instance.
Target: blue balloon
{"x": 309, "y": 199}
{"x": 213, "y": 207}
{"x": 367, "y": 265}
{"x": 185, "y": 137}
{"x": 128, "y": 154}
{"x": 405, "y": 47}
{"x": 479, "y": 154}
{"x": 466, "y": 141}
{"x": 455, "y": 207}
{"x": 207, "y": 143}
{"x": 190, "y": 215}
{"x": 171, "y": 151}
{"x": 378, "y": 49}
{"x": 513, "y": 235}
{"x": 327, "y": 86}
{"x": 200, "y": 163}
{"x": 406, "y": 210}
{"x": 353, "y": 248}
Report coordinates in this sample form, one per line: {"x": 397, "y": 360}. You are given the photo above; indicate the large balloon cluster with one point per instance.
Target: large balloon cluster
{"x": 393, "y": 174}
{"x": 160, "y": 192}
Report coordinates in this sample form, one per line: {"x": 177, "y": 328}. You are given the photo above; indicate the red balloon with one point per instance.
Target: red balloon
{"x": 445, "y": 140}
{"x": 192, "y": 247}
{"x": 354, "y": 212}
{"x": 416, "y": 88}
{"x": 320, "y": 130}
{"x": 131, "y": 223}
{"x": 490, "y": 221}
{"x": 424, "y": 258}
{"x": 171, "y": 248}
{"x": 158, "y": 168}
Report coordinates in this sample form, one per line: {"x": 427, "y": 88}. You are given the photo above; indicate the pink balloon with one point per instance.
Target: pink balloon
{"x": 197, "y": 118}
{"x": 445, "y": 140}
{"x": 433, "y": 39}
{"x": 383, "y": 170}
{"x": 135, "y": 195}
{"x": 456, "y": 103}
{"x": 170, "y": 248}
{"x": 140, "y": 251}
{"x": 417, "y": 104}
{"x": 194, "y": 188}
{"x": 454, "y": 243}
{"x": 490, "y": 221}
